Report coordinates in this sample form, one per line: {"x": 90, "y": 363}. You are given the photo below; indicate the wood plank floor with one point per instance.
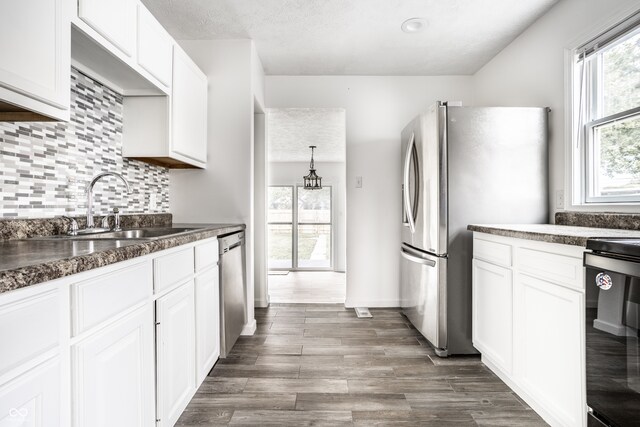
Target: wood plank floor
{"x": 319, "y": 365}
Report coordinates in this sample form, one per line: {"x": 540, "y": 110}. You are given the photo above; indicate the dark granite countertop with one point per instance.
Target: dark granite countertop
{"x": 564, "y": 234}
{"x": 28, "y": 262}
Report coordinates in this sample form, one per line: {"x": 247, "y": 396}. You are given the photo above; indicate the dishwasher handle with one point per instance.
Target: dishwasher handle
{"x": 235, "y": 245}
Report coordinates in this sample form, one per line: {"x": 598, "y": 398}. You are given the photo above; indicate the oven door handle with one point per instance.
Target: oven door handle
{"x": 613, "y": 264}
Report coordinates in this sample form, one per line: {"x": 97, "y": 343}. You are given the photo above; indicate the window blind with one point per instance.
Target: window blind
{"x": 606, "y": 38}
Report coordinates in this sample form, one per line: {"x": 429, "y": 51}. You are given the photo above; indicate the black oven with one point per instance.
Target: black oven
{"x": 612, "y": 323}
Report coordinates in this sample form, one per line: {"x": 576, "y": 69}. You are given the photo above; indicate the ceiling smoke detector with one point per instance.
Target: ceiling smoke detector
{"x": 413, "y": 25}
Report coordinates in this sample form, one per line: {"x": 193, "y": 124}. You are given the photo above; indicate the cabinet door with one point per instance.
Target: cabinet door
{"x": 154, "y": 47}
{"x": 189, "y": 108}
{"x": 35, "y": 46}
{"x": 207, "y": 322}
{"x": 493, "y": 313}
{"x": 548, "y": 358}
{"x": 175, "y": 340}
{"x": 33, "y": 398}
{"x": 113, "y": 371}
{"x": 115, "y": 20}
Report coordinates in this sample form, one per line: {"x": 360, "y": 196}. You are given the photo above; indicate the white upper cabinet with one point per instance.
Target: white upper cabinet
{"x": 34, "y": 60}
{"x": 154, "y": 47}
{"x": 170, "y": 131}
{"x": 189, "y": 108}
{"x": 115, "y": 20}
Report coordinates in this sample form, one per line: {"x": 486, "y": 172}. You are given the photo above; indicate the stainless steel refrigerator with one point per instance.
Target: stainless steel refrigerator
{"x": 463, "y": 165}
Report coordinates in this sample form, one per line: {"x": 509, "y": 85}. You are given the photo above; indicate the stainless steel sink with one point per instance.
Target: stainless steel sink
{"x": 131, "y": 234}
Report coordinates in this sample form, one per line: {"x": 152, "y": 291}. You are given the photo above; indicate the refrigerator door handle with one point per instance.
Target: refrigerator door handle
{"x": 419, "y": 260}
{"x": 408, "y": 209}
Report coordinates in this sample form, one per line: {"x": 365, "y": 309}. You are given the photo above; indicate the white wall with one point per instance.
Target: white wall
{"x": 531, "y": 70}
{"x": 377, "y": 108}
{"x": 259, "y": 210}
{"x": 333, "y": 174}
{"x": 223, "y": 193}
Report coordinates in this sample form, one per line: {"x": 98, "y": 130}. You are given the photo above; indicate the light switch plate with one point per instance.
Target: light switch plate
{"x": 559, "y": 199}
{"x": 358, "y": 182}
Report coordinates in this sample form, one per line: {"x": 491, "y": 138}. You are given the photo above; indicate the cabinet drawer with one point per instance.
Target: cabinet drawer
{"x": 173, "y": 268}
{"x": 96, "y": 300}
{"x": 28, "y": 328}
{"x": 560, "y": 269}
{"x": 496, "y": 253}
{"x": 206, "y": 254}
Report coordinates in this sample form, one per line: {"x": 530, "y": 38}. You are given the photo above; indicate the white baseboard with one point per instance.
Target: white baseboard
{"x": 249, "y": 328}
{"x": 261, "y": 303}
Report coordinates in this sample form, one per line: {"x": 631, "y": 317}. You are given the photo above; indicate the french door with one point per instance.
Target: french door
{"x": 300, "y": 230}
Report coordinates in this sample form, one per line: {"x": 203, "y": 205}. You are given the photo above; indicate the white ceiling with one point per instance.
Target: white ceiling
{"x": 293, "y": 130}
{"x": 357, "y": 37}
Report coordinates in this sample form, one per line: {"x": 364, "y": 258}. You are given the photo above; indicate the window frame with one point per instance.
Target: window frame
{"x": 579, "y": 177}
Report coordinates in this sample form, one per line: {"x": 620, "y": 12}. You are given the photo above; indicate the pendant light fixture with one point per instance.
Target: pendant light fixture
{"x": 312, "y": 181}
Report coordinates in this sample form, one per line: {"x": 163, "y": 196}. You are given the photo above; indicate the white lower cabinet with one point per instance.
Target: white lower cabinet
{"x": 175, "y": 341}
{"x": 207, "y": 322}
{"x": 93, "y": 353}
{"x": 113, "y": 375}
{"x": 33, "y": 398}
{"x": 528, "y": 317}
{"x": 493, "y": 328}
{"x": 548, "y": 347}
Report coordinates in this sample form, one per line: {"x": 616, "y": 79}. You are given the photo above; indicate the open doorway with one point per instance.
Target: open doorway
{"x": 306, "y": 233}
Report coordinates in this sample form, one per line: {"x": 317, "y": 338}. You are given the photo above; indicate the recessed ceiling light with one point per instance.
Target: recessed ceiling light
{"x": 413, "y": 25}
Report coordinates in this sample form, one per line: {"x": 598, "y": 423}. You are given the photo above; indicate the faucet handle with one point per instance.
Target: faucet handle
{"x": 73, "y": 226}
{"x": 116, "y": 220}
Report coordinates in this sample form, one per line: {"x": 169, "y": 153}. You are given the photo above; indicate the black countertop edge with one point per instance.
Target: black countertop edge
{"x": 40, "y": 272}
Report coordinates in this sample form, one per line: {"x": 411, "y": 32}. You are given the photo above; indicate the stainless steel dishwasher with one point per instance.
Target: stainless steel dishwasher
{"x": 232, "y": 290}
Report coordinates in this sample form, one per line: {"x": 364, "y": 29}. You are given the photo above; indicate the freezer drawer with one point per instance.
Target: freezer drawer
{"x": 423, "y": 295}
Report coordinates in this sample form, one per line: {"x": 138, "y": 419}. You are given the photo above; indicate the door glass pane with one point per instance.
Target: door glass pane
{"x": 280, "y": 237}
{"x": 280, "y": 201}
{"x": 314, "y": 206}
{"x": 314, "y": 246}
{"x": 616, "y": 159}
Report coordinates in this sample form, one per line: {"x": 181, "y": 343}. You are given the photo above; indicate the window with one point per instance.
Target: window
{"x": 300, "y": 234}
{"x": 607, "y": 79}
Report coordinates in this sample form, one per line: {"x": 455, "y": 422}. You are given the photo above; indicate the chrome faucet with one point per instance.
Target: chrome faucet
{"x": 90, "y": 223}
